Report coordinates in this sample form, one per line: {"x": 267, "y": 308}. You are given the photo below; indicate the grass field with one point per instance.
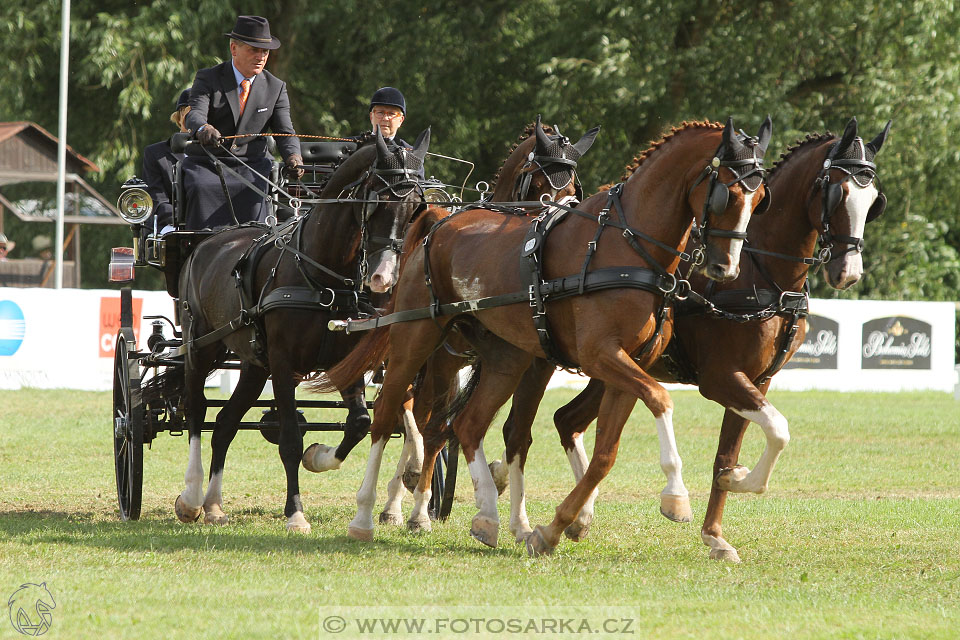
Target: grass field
{"x": 856, "y": 538}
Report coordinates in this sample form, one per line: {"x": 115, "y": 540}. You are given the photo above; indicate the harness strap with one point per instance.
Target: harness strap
{"x": 609, "y": 278}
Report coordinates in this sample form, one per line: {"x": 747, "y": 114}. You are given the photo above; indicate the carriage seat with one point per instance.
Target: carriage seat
{"x": 321, "y": 158}
{"x": 326, "y": 151}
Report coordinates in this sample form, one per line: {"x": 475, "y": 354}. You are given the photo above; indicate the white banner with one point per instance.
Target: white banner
{"x": 65, "y": 339}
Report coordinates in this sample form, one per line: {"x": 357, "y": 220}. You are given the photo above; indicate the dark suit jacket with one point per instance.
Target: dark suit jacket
{"x": 158, "y": 164}
{"x": 214, "y": 100}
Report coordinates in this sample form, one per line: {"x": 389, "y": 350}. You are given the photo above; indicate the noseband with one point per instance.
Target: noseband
{"x": 861, "y": 171}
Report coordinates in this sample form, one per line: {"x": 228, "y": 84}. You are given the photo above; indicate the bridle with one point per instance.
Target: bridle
{"x": 861, "y": 171}
{"x": 399, "y": 178}
{"x": 718, "y": 192}
{"x": 538, "y": 162}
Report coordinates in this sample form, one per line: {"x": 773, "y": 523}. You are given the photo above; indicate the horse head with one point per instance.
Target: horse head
{"x": 551, "y": 166}
{"x": 849, "y": 198}
{"x": 392, "y": 195}
{"x": 727, "y": 192}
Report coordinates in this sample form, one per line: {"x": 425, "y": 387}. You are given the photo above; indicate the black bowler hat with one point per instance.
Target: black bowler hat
{"x": 390, "y": 97}
{"x": 255, "y": 31}
{"x": 184, "y": 99}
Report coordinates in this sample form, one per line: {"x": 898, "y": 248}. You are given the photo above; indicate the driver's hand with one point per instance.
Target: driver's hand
{"x": 209, "y": 136}
{"x": 294, "y": 166}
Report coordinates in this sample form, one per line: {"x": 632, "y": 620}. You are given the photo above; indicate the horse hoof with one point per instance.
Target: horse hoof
{"x": 729, "y": 555}
{"x": 485, "y": 530}
{"x": 394, "y": 519}
{"x": 319, "y": 458}
{"x": 185, "y": 514}
{"x": 416, "y": 525}
{"x": 297, "y": 523}
{"x": 215, "y": 515}
{"x": 411, "y": 479}
{"x": 363, "y": 535}
{"x": 676, "y": 508}
{"x": 577, "y": 531}
{"x": 521, "y": 535}
{"x": 731, "y": 478}
{"x": 537, "y": 544}
{"x": 501, "y": 476}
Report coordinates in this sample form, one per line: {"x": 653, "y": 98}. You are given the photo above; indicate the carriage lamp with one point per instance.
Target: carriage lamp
{"x": 135, "y": 204}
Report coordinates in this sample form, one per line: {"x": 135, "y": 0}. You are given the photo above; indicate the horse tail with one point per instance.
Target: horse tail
{"x": 368, "y": 355}
{"x": 438, "y": 427}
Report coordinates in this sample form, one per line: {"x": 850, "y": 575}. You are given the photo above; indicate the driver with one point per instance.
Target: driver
{"x": 237, "y": 96}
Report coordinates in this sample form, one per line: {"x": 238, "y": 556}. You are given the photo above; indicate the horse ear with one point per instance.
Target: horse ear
{"x": 849, "y": 135}
{"x": 764, "y": 134}
{"x": 382, "y": 151}
{"x": 542, "y": 140}
{"x": 728, "y": 131}
{"x": 422, "y": 144}
{"x": 877, "y": 142}
{"x": 583, "y": 144}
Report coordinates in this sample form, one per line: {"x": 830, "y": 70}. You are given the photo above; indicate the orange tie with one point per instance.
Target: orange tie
{"x": 244, "y": 94}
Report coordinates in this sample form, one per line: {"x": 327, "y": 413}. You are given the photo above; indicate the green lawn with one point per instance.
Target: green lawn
{"x": 857, "y": 536}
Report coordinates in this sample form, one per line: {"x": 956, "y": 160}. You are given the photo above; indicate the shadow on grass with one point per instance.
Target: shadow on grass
{"x": 88, "y": 529}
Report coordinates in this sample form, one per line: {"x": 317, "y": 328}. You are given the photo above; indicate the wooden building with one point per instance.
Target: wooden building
{"x": 28, "y": 177}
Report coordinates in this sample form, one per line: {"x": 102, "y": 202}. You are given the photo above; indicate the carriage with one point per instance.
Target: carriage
{"x": 142, "y": 406}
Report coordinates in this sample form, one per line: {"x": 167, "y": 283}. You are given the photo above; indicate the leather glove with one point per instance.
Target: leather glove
{"x": 208, "y": 136}
{"x": 294, "y": 166}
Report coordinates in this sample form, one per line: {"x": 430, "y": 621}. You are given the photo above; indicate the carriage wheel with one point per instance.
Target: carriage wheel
{"x": 127, "y": 427}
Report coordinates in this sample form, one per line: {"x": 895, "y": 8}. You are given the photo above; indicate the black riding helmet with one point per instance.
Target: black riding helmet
{"x": 389, "y": 97}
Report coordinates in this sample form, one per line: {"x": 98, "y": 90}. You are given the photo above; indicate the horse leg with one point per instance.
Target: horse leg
{"x": 189, "y": 503}
{"x": 625, "y": 382}
{"x": 516, "y": 431}
{"x": 393, "y": 510}
{"x": 614, "y": 411}
{"x": 729, "y": 476}
{"x": 434, "y": 438}
{"x": 291, "y": 440}
{"x": 248, "y": 389}
{"x": 499, "y": 378}
{"x": 421, "y": 338}
{"x": 438, "y": 381}
{"x": 571, "y": 421}
{"x": 321, "y": 457}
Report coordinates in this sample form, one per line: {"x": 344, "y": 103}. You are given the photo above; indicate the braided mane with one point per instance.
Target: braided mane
{"x": 809, "y": 139}
{"x": 684, "y": 126}
{"x": 527, "y": 132}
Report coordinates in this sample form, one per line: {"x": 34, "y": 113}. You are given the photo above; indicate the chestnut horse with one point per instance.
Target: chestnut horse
{"x": 611, "y": 333}
{"x": 332, "y": 250}
{"x": 541, "y": 164}
{"x": 823, "y": 188}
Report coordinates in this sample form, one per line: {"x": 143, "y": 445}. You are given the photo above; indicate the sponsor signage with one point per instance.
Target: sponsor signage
{"x": 819, "y": 348}
{"x": 896, "y": 342}
{"x": 110, "y": 323}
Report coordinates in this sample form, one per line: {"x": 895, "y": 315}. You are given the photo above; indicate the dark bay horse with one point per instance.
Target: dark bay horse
{"x": 330, "y": 252}
{"x": 823, "y": 188}
{"x": 610, "y": 333}
{"x": 541, "y": 164}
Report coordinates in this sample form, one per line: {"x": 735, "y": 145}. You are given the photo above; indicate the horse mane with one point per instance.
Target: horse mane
{"x": 360, "y": 160}
{"x": 674, "y": 131}
{"x": 527, "y": 132}
{"x": 808, "y": 140}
